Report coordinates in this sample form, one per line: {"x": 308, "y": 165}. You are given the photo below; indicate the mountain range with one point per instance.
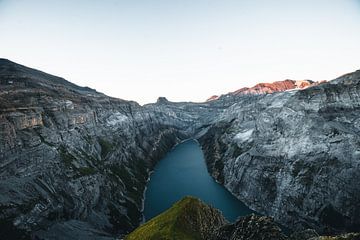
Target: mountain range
{"x": 74, "y": 162}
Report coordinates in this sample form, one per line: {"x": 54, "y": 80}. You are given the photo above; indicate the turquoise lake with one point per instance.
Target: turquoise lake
{"x": 183, "y": 172}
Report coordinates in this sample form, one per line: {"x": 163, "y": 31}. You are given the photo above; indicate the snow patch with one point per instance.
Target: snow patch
{"x": 69, "y": 104}
{"x": 244, "y": 136}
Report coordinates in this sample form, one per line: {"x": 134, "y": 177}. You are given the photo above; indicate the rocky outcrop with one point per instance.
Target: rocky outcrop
{"x": 74, "y": 162}
{"x": 251, "y": 227}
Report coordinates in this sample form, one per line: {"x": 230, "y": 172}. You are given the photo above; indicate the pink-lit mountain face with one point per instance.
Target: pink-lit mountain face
{"x": 266, "y": 88}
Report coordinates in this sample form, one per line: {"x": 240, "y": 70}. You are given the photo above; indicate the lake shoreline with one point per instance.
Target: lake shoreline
{"x": 183, "y": 172}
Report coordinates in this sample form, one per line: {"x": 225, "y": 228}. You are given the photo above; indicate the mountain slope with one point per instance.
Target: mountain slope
{"x": 191, "y": 219}
{"x": 13, "y": 74}
{"x": 188, "y": 219}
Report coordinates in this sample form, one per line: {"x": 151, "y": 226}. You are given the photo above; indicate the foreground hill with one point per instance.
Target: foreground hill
{"x": 191, "y": 219}
{"x": 187, "y": 219}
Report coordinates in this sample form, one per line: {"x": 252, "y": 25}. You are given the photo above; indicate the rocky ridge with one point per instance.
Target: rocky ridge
{"x": 267, "y": 88}
{"x": 191, "y": 219}
{"x": 74, "y": 162}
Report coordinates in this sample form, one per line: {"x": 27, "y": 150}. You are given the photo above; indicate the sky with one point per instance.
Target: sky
{"x": 185, "y": 50}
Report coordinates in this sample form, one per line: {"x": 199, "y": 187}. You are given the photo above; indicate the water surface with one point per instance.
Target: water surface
{"x": 183, "y": 172}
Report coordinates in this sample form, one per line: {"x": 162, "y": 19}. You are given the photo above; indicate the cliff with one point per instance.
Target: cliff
{"x": 293, "y": 155}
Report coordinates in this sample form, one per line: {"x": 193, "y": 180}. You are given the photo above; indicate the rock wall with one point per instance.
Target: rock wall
{"x": 294, "y": 156}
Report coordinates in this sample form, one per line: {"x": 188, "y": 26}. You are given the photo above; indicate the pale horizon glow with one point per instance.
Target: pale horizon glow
{"x": 184, "y": 50}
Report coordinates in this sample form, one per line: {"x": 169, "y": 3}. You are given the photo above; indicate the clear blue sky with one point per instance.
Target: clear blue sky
{"x": 181, "y": 49}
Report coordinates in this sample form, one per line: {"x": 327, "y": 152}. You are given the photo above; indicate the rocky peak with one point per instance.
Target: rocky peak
{"x": 162, "y": 100}
{"x": 267, "y": 88}
{"x": 213, "y": 97}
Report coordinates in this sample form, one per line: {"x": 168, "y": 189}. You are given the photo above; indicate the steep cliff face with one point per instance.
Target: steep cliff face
{"x": 74, "y": 162}
{"x": 294, "y": 156}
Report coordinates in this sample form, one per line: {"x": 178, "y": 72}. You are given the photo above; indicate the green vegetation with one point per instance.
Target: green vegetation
{"x": 42, "y": 139}
{"x": 66, "y": 156}
{"x": 131, "y": 182}
{"x": 106, "y": 146}
{"x": 69, "y": 160}
{"x": 177, "y": 223}
{"x": 348, "y": 236}
{"x": 89, "y": 158}
{"x": 84, "y": 171}
{"x": 122, "y": 173}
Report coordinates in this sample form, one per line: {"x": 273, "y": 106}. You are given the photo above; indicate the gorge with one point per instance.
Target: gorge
{"x": 182, "y": 172}
{"x": 74, "y": 162}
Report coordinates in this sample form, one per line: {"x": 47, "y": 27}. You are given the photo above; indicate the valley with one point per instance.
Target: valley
{"x": 75, "y": 162}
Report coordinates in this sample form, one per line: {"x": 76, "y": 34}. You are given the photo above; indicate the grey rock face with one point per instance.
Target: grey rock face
{"x": 75, "y": 160}
{"x": 251, "y": 227}
{"x": 293, "y": 155}
{"x": 305, "y": 234}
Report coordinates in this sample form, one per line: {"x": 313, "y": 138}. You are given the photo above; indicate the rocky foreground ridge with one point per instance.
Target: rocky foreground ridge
{"x": 74, "y": 162}
{"x": 191, "y": 219}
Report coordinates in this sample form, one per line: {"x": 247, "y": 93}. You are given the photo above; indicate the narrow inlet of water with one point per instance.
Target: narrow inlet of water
{"x": 182, "y": 172}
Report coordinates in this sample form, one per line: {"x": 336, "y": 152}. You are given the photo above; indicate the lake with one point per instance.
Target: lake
{"x": 183, "y": 172}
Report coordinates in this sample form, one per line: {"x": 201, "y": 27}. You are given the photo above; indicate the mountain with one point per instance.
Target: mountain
{"x": 267, "y": 88}
{"x": 188, "y": 219}
{"x": 74, "y": 162}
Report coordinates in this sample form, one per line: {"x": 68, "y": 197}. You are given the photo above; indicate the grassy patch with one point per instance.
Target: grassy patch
{"x": 90, "y": 158}
{"x": 173, "y": 224}
{"x": 106, "y": 146}
{"x": 131, "y": 183}
{"x": 84, "y": 171}
{"x": 348, "y": 236}
{"x": 67, "y": 157}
